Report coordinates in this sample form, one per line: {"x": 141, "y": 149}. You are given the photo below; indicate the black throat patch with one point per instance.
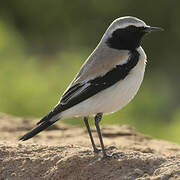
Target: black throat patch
{"x": 128, "y": 38}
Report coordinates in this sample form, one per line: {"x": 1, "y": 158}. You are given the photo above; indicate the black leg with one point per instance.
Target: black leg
{"x": 97, "y": 119}
{"x": 96, "y": 150}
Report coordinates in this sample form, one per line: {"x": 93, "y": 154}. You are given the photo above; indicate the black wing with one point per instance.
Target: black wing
{"x": 84, "y": 90}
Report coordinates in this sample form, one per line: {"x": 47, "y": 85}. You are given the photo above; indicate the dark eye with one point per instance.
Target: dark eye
{"x": 132, "y": 28}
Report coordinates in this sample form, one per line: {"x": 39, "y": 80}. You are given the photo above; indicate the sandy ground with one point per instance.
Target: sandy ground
{"x": 64, "y": 152}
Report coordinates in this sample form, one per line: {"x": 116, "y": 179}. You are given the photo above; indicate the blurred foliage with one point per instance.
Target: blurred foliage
{"x": 44, "y": 43}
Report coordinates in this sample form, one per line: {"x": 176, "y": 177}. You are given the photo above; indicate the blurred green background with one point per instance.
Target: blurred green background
{"x": 44, "y": 43}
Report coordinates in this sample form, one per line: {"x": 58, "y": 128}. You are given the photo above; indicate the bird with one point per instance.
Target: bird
{"x": 107, "y": 81}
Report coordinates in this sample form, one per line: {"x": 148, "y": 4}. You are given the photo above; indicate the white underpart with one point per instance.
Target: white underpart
{"x": 113, "y": 98}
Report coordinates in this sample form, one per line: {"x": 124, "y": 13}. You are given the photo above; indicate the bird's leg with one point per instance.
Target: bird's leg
{"x": 97, "y": 119}
{"x": 96, "y": 150}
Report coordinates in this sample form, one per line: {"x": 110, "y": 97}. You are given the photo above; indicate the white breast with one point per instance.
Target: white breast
{"x": 114, "y": 97}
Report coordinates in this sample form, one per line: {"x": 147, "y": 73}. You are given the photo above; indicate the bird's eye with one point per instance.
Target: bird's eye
{"x": 132, "y": 28}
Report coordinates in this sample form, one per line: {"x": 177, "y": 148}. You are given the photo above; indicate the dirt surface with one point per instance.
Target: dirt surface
{"x": 64, "y": 152}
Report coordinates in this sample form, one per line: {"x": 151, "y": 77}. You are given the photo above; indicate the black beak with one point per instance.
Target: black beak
{"x": 149, "y": 29}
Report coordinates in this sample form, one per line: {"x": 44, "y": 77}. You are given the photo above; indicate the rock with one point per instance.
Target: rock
{"x": 65, "y": 153}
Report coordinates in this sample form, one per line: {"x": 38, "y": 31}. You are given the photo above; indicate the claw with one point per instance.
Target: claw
{"x": 106, "y": 156}
{"x": 97, "y": 150}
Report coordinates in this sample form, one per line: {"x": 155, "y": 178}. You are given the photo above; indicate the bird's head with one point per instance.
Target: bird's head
{"x": 126, "y": 33}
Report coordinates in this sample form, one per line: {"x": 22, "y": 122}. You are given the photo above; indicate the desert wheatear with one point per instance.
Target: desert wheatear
{"x": 107, "y": 81}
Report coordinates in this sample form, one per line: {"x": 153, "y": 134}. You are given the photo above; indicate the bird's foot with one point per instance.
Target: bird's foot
{"x": 106, "y": 156}
{"x": 96, "y": 150}
{"x": 113, "y": 156}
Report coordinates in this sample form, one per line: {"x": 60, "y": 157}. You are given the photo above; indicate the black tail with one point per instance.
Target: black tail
{"x": 36, "y": 130}
{"x": 45, "y": 122}
{"x": 51, "y": 114}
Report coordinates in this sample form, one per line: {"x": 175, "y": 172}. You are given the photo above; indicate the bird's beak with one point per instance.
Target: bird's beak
{"x": 149, "y": 29}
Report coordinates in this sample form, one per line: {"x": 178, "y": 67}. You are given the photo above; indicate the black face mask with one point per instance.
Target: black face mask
{"x": 128, "y": 38}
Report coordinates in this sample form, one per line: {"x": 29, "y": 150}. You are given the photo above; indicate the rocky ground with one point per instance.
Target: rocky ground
{"x": 64, "y": 152}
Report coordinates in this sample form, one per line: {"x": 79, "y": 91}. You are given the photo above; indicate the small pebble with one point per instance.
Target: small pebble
{"x": 139, "y": 172}
{"x": 146, "y": 175}
{"x": 28, "y": 159}
{"x": 13, "y": 174}
{"x": 20, "y": 145}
